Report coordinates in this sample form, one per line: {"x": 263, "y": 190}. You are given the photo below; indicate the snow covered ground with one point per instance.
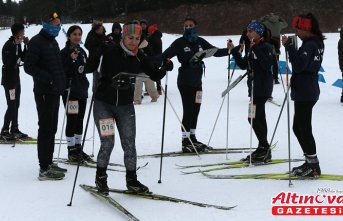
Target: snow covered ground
{"x": 23, "y": 197}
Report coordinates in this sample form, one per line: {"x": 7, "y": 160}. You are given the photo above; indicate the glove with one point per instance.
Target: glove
{"x": 167, "y": 64}
{"x": 26, "y": 40}
{"x": 195, "y": 61}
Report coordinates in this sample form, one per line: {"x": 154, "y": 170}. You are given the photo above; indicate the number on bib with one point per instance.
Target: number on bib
{"x": 252, "y": 112}
{"x": 73, "y": 107}
{"x": 12, "y": 94}
{"x": 106, "y": 127}
{"x": 198, "y": 97}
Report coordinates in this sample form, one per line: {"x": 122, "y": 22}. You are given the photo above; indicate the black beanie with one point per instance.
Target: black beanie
{"x": 16, "y": 28}
{"x": 116, "y": 25}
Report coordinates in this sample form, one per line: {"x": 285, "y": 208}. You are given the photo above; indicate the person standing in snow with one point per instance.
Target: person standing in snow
{"x": 189, "y": 80}
{"x": 275, "y": 24}
{"x": 306, "y": 62}
{"x": 43, "y": 63}
{"x": 258, "y": 62}
{"x": 115, "y": 36}
{"x": 155, "y": 43}
{"x": 113, "y": 103}
{"x": 12, "y": 56}
{"x": 340, "y": 56}
{"x": 74, "y": 59}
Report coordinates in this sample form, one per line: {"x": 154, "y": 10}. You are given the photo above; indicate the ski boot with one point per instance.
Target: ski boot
{"x": 7, "y": 136}
{"x": 309, "y": 169}
{"x": 260, "y": 155}
{"x": 18, "y": 134}
{"x": 85, "y": 157}
{"x": 55, "y": 167}
{"x": 188, "y": 148}
{"x": 133, "y": 185}
{"x": 198, "y": 143}
{"x": 101, "y": 181}
{"x": 74, "y": 154}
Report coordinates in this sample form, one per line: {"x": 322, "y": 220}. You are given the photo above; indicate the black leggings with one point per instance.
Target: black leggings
{"x": 191, "y": 109}
{"x": 302, "y": 126}
{"x": 259, "y": 122}
{"x": 75, "y": 121}
{"x": 11, "y": 115}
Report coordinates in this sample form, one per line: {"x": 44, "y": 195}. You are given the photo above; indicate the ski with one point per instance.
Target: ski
{"x": 85, "y": 164}
{"x": 111, "y": 201}
{"x": 61, "y": 160}
{"x": 180, "y": 153}
{"x": 153, "y": 196}
{"x": 240, "y": 164}
{"x": 24, "y": 141}
{"x": 275, "y": 176}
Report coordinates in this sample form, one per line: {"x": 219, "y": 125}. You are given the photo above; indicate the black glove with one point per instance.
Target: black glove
{"x": 167, "y": 64}
{"x": 196, "y": 61}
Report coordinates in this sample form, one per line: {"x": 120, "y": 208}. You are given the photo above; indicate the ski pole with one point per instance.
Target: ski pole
{"x": 288, "y": 124}
{"x": 163, "y": 125}
{"x": 228, "y": 104}
{"x": 79, "y": 159}
{"x": 64, "y": 118}
{"x": 93, "y": 140}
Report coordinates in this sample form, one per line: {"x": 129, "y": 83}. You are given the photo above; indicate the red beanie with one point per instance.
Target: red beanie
{"x": 129, "y": 29}
{"x": 302, "y": 23}
{"x": 152, "y": 28}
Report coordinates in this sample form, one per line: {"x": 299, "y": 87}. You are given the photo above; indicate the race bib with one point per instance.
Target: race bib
{"x": 252, "y": 111}
{"x": 12, "y": 94}
{"x": 106, "y": 127}
{"x": 198, "y": 97}
{"x": 73, "y": 107}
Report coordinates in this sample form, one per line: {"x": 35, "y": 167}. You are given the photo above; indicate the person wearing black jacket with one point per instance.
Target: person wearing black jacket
{"x": 74, "y": 59}
{"x": 113, "y": 103}
{"x": 258, "y": 62}
{"x": 115, "y": 35}
{"x": 306, "y": 62}
{"x": 189, "y": 80}
{"x": 43, "y": 63}
{"x": 12, "y": 56}
{"x": 95, "y": 43}
{"x": 155, "y": 43}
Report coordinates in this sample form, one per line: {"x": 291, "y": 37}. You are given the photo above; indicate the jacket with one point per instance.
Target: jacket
{"x": 43, "y": 63}
{"x": 306, "y": 62}
{"x": 12, "y": 55}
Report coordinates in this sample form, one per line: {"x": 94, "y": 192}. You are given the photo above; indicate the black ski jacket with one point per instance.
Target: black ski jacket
{"x": 12, "y": 55}
{"x": 75, "y": 71}
{"x": 43, "y": 63}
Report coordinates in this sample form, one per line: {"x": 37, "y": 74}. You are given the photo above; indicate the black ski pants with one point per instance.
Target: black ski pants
{"x": 259, "y": 124}
{"x": 75, "y": 121}
{"x": 47, "y": 108}
{"x": 302, "y": 126}
{"x": 11, "y": 115}
{"x": 191, "y": 109}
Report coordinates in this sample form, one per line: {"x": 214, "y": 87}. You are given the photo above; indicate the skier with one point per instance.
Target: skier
{"x": 155, "y": 43}
{"x": 74, "y": 59}
{"x": 43, "y": 63}
{"x": 258, "y": 62}
{"x": 189, "y": 79}
{"x": 95, "y": 43}
{"x": 113, "y": 103}
{"x": 306, "y": 62}
{"x": 12, "y": 56}
{"x": 340, "y": 56}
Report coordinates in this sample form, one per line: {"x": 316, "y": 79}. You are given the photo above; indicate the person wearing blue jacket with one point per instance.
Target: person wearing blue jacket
{"x": 259, "y": 64}
{"x": 74, "y": 59}
{"x": 189, "y": 80}
{"x": 306, "y": 62}
{"x": 43, "y": 63}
